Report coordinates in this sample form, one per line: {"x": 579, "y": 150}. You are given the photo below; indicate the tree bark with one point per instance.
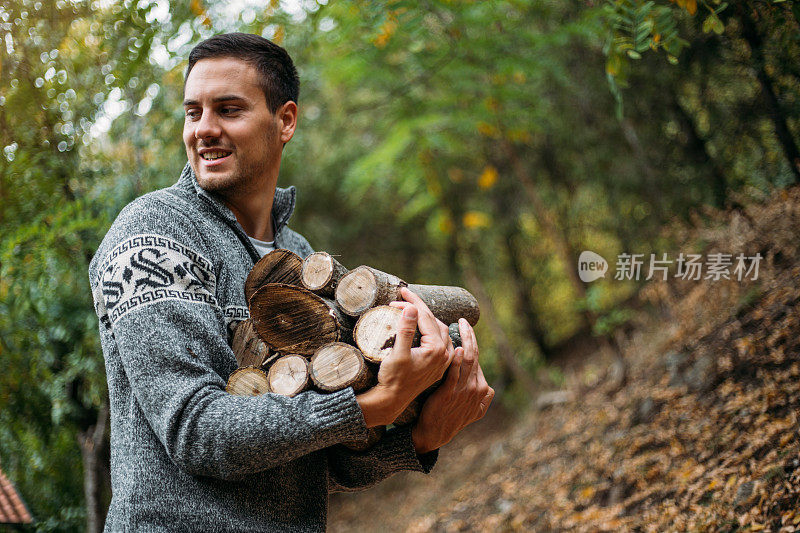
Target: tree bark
{"x": 697, "y": 147}
{"x": 524, "y": 303}
{"x": 776, "y": 114}
{"x": 548, "y": 223}
{"x": 366, "y": 287}
{"x": 92, "y": 443}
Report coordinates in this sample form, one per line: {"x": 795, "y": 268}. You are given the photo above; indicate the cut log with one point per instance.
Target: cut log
{"x": 295, "y": 320}
{"x": 278, "y": 266}
{"x": 365, "y": 287}
{"x": 248, "y": 381}
{"x": 321, "y": 273}
{"x": 247, "y": 347}
{"x": 289, "y": 375}
{"x": 448, "y": 304}
{"x": 376, "y": 331}
{"x": 338, "y": 365}
{"x": 375, "y": 434}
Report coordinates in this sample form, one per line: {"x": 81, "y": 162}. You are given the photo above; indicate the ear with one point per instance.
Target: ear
{"x": 287, "y": 120}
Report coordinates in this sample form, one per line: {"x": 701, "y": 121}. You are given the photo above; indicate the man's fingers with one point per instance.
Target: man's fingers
{"x": 427, "y": 323}
{"x": 487, "y": 401}
{"x": 406, "y": 328}
{"x": 468, "y": 362}
{"x": 468, "y": 340}
{"x": 454, "y": 371}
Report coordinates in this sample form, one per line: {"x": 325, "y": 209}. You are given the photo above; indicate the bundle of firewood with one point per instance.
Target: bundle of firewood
{"x": 315, "y": 325}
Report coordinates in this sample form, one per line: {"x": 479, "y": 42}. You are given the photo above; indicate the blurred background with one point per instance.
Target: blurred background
{"x": 481, "y": 144}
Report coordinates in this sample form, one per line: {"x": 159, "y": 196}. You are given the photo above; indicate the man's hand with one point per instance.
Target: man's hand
{"x": 460, "y": 400}
{"x": 408, "y": 371}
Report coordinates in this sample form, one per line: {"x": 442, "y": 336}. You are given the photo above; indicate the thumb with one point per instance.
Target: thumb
{"x": 406, "y": 328}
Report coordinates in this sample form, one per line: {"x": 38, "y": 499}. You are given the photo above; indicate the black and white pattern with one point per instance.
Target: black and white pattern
{"x": 234, "y": 314}
{"x": 145, "y": 269}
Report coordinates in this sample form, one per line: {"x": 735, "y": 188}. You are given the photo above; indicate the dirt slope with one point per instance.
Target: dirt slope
{"x": 702, "y": 436}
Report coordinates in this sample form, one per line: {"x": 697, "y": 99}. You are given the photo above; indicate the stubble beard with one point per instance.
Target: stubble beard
{"x": 247, "y": 176}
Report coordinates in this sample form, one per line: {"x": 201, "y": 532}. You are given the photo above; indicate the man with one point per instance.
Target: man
{"x": 168, "y": 286}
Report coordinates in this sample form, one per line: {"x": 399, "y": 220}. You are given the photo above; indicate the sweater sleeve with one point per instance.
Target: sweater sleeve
{"x": 350, "y": 471}
{"x": 155, "y": 295}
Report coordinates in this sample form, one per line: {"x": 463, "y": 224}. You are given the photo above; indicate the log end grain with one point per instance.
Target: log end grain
{"x": 248, "y": 381}
{"x": 317, "y": 270}
{"x": 292, "y": 319}
{"x": 338, "y": 365}
{"x": 248, "y": 348}
{"x": 376, "y": 331}
{"x": 278, "y": 266}
{"x": 289, "y": 375}
{"x": 357, "y": 291}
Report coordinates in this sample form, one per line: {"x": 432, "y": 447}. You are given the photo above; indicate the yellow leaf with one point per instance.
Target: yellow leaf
{"x": 196, "y": 7}
{"x": 487, "y": 129}
{"x": 280, "y": 33}
{"x": 488, "y": 177}
{"x": 445, "y": 225}
{"x": 691, "y": 6}
{"x": 475, "y": 219}
{"x": 386, "y": 31}
{"x": 757, "y": 527}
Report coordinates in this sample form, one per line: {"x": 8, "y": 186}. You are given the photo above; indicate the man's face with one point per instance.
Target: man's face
{"x": 232, "y": 139}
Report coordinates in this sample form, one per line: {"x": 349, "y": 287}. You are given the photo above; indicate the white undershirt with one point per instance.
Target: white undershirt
{"x": 263, "y": 248}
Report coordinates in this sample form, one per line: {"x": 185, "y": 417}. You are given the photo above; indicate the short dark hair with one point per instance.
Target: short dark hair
{"x": 277, "y": 74}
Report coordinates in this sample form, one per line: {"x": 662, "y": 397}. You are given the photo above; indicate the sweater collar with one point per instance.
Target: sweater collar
{"x": 282, "y": 204}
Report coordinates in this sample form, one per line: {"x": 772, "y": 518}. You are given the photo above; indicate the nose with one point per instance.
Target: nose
{"x": 207, "y": 127}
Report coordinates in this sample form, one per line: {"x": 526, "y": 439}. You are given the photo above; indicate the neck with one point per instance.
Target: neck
{"x": 253, "y": 210}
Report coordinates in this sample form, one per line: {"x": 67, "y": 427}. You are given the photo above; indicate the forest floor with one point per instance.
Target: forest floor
{"x": 702, "y": 435}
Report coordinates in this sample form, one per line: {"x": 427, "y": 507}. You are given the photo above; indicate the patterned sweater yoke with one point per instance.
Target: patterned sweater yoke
{"x": 168, "y": 289}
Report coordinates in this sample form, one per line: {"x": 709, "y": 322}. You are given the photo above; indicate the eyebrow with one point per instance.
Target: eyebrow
{"x": 215, "y": 100}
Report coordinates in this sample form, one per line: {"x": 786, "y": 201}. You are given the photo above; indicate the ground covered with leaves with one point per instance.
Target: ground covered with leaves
{"x": 702, "y": 434}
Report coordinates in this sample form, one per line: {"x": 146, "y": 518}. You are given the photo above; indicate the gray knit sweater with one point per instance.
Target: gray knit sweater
{"x": 168, "y": 284}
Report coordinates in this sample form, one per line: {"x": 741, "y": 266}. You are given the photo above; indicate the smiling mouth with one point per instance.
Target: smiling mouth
{"x": 211, "y": 156}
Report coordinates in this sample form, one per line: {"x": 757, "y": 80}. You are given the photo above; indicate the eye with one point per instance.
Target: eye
{"x": 229, "y": 110}
{"x": 192, "y": 113}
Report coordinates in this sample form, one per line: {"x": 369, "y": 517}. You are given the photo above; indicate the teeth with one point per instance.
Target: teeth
{"x": 213, "y": 155}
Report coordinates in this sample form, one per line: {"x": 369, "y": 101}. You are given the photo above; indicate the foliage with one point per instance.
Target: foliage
{"x": 448, "y": 142}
